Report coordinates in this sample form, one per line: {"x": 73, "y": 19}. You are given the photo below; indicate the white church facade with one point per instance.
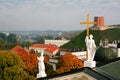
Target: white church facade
{"x": 56, "y": 42}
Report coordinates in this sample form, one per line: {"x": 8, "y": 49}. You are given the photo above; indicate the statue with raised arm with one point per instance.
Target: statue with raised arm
{"x": 91, "y": 47}
{"x": 41, "y": 66}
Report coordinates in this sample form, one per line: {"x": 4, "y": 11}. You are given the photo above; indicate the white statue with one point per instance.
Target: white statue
{"x": 91, "y": 47}
{"x": 41, "y": 66}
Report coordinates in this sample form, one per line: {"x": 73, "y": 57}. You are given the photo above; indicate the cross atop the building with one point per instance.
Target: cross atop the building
{"x": 87, "y": 24}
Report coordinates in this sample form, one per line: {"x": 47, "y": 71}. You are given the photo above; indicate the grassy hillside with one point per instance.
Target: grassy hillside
{"x": 79, "y": 40}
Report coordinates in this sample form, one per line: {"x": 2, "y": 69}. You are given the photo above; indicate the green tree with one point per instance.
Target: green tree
{"x": 104, "y": 54}
{"x": 12, "y": 38}
{"x": 7, "y": 42}
{"x": 1, "y": 43}
{"x": 12, "y": 67}
{"x": 25, "y": 44}
{"x": 3, "y": 36}
{"x": 49, "y": 69}
{"x": 40, "y": 38}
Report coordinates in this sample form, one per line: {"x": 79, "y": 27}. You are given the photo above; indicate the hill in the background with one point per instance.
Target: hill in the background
{"x": 78, "y": 42}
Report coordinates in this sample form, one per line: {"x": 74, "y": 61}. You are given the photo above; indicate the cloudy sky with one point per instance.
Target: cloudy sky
{"x": 55, "y": 14}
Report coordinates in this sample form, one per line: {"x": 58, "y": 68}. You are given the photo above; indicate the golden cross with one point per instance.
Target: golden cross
{"x": 87, "y": 24}
{"x": 87, "y": 28}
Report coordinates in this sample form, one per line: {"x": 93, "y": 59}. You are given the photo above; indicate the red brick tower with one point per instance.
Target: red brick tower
{"x": 99, "y": 22}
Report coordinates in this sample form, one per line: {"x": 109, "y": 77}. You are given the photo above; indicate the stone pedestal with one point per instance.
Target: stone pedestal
{"x": 90, "y": 64}
{"x": 41, "y": 75}
{"x": 118, "y": 52}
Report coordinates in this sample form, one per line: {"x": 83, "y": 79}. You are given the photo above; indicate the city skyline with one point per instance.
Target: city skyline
{"x": 55, "y": 14}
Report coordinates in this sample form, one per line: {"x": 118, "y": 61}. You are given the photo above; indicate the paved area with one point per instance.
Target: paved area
{"x": 76, "y": 76}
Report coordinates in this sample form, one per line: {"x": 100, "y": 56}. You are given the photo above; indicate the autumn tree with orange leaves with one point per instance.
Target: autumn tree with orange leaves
{"x": 31, "y": 62}
{"x": 67, "y": 63}
{"x": 29, "y": 59}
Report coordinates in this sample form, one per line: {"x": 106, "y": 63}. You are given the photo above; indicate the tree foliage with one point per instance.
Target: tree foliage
{"x": 49, "y": 69}
{"x": 7, "y": 41}
{"x": 12, "y": 38}
{"x": 68, "y": 62}
{"x": 104, "y": 54}
{"x": 31, "y": 62}
{"x": 41, "y": 38}
{"x": 12, "y": 67}
{"x": 3, "y": 36}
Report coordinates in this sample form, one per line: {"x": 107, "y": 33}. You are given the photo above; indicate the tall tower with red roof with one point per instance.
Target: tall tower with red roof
{"x": 99, "y": 22}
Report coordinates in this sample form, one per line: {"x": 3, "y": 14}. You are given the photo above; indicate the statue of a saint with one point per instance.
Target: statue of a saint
{"x": 41, "y": 66}
{"x": 91, "y": 47}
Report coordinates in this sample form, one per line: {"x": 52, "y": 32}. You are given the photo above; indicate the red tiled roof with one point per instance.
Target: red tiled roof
{"x": 43, "y": 45}
{"x": 18, "y": 49}
{"x": 26, "y": 49}
{"x": 49, "y": 47}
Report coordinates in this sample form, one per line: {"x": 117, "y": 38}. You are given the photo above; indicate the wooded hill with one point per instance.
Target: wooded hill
{"x": 78, "y": 42}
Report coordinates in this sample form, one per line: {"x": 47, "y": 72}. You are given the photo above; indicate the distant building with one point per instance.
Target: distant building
{"x": 50, "y": 49}
{"x": 56, "y": 42}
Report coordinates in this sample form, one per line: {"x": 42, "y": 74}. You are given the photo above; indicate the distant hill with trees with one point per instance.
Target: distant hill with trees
{"x": 78, "y": 42}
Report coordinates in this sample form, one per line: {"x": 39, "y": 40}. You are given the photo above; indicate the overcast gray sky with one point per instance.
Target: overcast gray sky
{"x": 55, "y": 14}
